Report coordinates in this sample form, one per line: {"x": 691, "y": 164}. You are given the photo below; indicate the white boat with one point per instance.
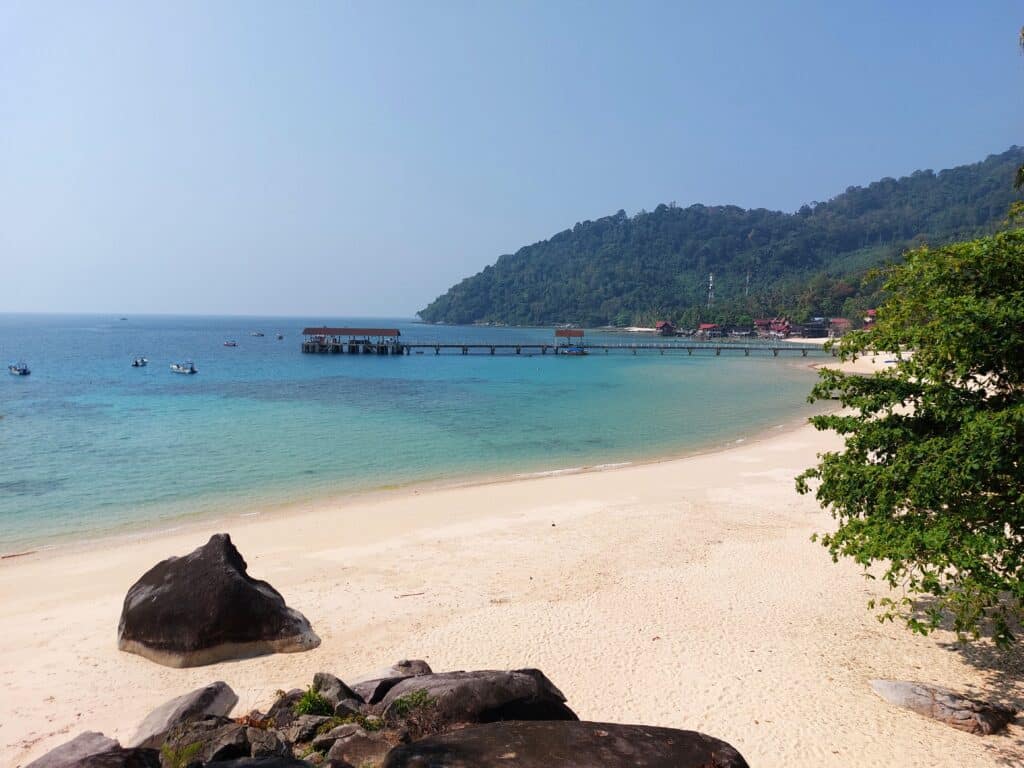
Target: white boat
{"x": 18, "y": 369}
{"x": 186, "y": 366}
{"x": 140, "y": 362}
{"x": 257, "y": 333}
{"x": 230, "y": 343}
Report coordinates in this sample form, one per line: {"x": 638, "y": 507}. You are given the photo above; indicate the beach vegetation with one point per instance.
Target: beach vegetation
{"x": 312, "y": 703}
{"x": 410, "y": 702}
{"x": 928, "y": 489}
{"x": 180, "y": 757}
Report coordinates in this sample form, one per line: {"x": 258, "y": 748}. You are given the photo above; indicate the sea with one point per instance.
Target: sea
{"x": 91, "y": 447}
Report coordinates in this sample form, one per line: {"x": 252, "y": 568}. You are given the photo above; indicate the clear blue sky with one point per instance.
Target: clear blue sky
{"x": 358, "y": 158}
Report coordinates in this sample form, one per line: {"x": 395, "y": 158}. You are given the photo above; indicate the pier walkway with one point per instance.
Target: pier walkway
{"x": 385, "y": 341}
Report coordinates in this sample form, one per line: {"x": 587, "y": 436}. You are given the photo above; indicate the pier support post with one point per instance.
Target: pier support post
{"x": 718, "y": 351}
{"x": 746, "y": 352}
{"x": 803, "y": 353}
{"x": 492, "y": 350}
{"x": 519, "y": 350}
{"x": 775, "y": 353}
{"x": 465, "y": 350}
{"x": 689, "y": 351}
{"x": 437, "y": 350}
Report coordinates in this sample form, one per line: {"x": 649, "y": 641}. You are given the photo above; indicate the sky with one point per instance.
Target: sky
{"x": 356, "y": 159}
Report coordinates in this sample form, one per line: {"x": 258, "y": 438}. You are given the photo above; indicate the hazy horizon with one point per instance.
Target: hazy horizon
{"x": 327, "y": 161}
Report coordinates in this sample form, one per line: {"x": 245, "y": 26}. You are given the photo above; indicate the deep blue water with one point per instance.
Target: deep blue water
{"x": 90, "y": 446}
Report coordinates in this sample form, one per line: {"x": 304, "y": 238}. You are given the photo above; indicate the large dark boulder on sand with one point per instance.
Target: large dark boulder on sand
{"x": 204, "y": 608}
{"x": 565, "y": 744}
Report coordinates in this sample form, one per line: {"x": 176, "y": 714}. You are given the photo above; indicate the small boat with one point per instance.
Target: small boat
{"x": 18, "y": 369}
{"x": 230, "y": 343}
{"x": 186, "y": 366}
{"x": 280, "y": 336}
{"x": 140, "y": 362}
{"x": 574, "y": 351}
{"x": 257, "y": 333}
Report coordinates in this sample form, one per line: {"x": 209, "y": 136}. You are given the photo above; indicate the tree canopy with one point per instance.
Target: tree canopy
{"x": 624, "y": 270}
{"x": 929, "y": 486}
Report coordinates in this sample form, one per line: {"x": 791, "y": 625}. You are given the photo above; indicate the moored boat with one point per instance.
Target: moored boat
{"x": 230, "y": 343}
{"x": 574, "y": 351}
{"x": 257, "y": 333}
{"x": 18, "y": 369}
{"x": 140, "y": 362}
{"x": 186, "y": 366}
{"x": 280, "y": 336}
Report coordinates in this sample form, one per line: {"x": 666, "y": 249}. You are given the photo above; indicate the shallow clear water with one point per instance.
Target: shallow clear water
{"x": 89, "y": 445}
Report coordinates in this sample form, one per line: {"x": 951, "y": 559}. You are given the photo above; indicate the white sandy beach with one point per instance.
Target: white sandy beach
{"x": 684, "y": 593}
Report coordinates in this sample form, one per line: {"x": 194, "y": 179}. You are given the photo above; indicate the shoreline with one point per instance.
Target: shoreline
{"x": 340, "y": 501}
{"x": 229, "y": 514}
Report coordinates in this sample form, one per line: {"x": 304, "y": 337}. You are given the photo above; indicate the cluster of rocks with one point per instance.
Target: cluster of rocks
{"x": 406, "y": 717}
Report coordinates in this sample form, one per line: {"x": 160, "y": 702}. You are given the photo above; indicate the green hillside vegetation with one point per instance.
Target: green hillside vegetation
{"x": 622, "y": 270}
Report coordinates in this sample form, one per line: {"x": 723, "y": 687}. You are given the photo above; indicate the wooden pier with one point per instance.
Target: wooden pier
{"x": 385, "y": 341}
{"x": 531, "y": 348}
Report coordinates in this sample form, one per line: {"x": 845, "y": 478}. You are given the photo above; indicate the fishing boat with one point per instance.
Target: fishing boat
{"x": 257, "y": 333}
{"x": 140, "y": 362}
{"x": 18, "y": 369}
{"x": 186, "y": 366}
{"x": 230, "y": 343}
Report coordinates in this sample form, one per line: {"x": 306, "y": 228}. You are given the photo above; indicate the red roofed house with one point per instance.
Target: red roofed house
{"x": 665, "y": 328}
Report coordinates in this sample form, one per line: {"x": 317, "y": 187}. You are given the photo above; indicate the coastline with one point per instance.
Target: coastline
{"x": 235, "y": 511}
{"x": 683, "y": 592}
{"x": 200, "y": 522}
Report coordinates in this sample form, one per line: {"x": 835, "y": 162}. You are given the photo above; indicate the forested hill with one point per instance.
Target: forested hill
{"x": 623, "y": 270}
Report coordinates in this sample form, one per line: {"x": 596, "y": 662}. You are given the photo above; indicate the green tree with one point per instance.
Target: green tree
{"x": 930, "y": 482}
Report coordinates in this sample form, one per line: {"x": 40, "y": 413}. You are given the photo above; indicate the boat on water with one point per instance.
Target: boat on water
{"x": 230, "y": 343}
{"x": 18, "y": 369}
{"x": 140, "y": 362}
{"x": 257, "y": 333}
{"x": 280, "y": 336}
{"x": 574, "y": 351}
{"x": 187, "y": 366}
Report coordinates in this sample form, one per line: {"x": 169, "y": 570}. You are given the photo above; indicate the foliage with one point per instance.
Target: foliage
{"x": 179, "y": 758}
{"x": 930, "y": 483}
{"x": 312, "y": 703}
{"x": 405, "y": 705}
{"x": 622, "y": 270}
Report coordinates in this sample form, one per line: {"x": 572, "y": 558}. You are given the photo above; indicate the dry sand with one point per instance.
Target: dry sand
{"x": 684, "y": 593}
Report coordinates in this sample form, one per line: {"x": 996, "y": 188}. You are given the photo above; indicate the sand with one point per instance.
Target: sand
{"x": 684, "y": 593}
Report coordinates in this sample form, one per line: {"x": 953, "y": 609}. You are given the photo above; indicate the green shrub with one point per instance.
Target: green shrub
{"x": 312, "y": 703}
{"x": 405, "y": 705}
{"x": 181, "y": 757}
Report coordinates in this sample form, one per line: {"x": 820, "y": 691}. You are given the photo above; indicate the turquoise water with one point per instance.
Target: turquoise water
{"x": 90, "y": 446}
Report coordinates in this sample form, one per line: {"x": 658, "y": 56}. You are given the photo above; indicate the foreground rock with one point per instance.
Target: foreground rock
{"x": 123, "y": 758}
{"x": 965, "y": 714}
{"x": 204, "y": 607}
{"x": 73, "y": 752}
{"x": 566, "y": 745}
{"x": 373, "y": 688}
{"x": 214, "y": 699}
{"x": 476, "y": 697}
